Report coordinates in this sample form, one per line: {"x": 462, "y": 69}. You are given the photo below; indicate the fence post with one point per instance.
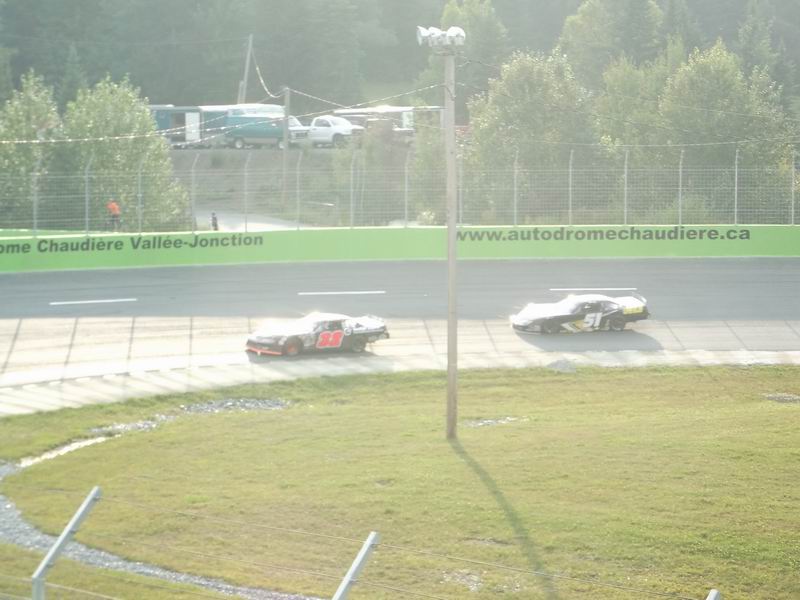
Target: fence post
{"x": 139, "y": 194}
{"x": 516, "y": 187}
{"x": 357, "y": 566}
{"x": 625, "y": 192}
{"x": 35, "y": 193}
{"x": 680, "y": 190}
{"x": 297, "y": 185}
{"x": 460, "y": 190}
{"x": 794, "y": 181}
{"x": 569, "y": 207}
{"x": 246, "y": 190}
{"x": 193, "y": 196}
{"x": 405, "y": 187}
{"x": 736, "y": 189}
{"x": 714, "y": 595}
{"x": 86, "y": 191}
{"x": 39, "y": 575}
{"x": 352, "y": 188}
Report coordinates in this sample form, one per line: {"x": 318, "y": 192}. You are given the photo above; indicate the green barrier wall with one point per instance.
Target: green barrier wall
{"x": 114, "y": 251}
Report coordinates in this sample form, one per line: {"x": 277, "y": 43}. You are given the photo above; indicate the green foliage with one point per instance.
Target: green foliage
{"x": 479, "y": 59}
{"x": 73, "y": 80}
{"x": 29, "y": 115}
{"x": 121, "y": 141}
{"x": 428, "y": 176}
{"x": 679, "y": 23}
{"x": 652, "y": 469}
{"x": 533, "y": 107}
{"x": 733, "y": 108}
{"x": 6, "y": 80}
{"x": 755, "y": 38}
{"x": 530, "y": 117}
{"x": 603, "y": 30}
{"x": 627, "y": 108}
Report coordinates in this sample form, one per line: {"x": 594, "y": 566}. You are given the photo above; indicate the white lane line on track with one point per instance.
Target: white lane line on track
{"x": 351, "y": 293}
{"x": 593, "y": 289}
{"x": 108, "y": 301}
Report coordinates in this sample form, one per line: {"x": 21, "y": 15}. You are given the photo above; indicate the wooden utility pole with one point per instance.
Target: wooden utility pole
{"x": 242, "y": 97}
{"x": 287, "y": 138}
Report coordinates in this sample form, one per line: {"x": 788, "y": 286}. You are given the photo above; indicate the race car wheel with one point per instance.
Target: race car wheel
{"x": 339, "y": 141}
{"x": 616, "y": 323}
{"x": 550, "y": 327}
{"x": 292, "y": 347}
{"x": 238, "y": 143}
{"x": 358, "y": 345}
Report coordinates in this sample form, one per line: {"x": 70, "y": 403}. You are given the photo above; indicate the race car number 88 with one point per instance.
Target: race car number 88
{"x": 330, "y": 339}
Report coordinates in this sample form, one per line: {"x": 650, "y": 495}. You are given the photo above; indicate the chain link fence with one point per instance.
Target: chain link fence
{"x": 264, "y": 191}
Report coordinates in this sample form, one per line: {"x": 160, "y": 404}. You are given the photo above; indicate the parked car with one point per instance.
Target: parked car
{"x": 321, "y": 332}
{"x": 584, "y": 312}
{"x": 298, "y": 132}
{"x": 330, "y": 130}
{"x": 258, "y": 125}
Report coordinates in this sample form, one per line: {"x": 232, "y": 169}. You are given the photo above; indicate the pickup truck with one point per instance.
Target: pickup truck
{"x": 330, "y": 130}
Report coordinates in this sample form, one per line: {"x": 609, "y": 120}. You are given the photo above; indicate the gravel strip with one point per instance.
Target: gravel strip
{"x": 15, "y": 530}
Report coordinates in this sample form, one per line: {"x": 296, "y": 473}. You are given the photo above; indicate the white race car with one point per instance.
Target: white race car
{"x": 320, "y": 332}
{"x": 583, "y": 312}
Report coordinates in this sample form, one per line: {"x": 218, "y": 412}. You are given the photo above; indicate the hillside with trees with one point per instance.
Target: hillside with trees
{"x": 542, "y": 83}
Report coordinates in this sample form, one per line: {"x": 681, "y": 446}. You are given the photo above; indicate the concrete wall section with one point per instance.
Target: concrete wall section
{"x": 167, "y": 249}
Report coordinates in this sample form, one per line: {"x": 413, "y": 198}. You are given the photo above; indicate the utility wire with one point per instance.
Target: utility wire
{"x": 403, "y": 548}
{"x": 396, "y": 589}
{"x": 158, "y": 586}
{"x": 117, "y": 42}
{"x": 261, "y": 79}
{"x": 271, "y": 566}
{"x": 81, "y": 591}
{"x": 788, "y": 139}
{"x": 533, "y": 572}
{"x": 232, "y": 521}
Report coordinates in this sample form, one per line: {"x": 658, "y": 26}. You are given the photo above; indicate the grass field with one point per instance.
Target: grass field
{"x": 16, "y": 567}
{"x": 592, "y": 484}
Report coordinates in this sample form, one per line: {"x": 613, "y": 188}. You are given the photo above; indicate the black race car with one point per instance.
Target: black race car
{"x": 585, "y": 312}
{"x": 317, "y": 332}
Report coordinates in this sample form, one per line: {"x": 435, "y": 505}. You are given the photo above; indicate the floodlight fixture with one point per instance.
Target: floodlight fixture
{"x": 456, "y": 36}
{"x": 435, "y": 37}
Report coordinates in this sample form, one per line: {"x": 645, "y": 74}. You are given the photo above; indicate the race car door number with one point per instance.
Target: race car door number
{"x": 330, "y": 339}
{"x": 592, "y": 320}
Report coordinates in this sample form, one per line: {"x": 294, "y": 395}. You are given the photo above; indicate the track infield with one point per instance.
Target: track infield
{"x": 670, "y": 480}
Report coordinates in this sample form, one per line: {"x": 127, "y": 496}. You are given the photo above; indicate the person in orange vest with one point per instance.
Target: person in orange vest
{"x": 113, "y": 214}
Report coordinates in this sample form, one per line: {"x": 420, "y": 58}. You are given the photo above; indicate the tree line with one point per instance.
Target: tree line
{"x": 708, "y": 82}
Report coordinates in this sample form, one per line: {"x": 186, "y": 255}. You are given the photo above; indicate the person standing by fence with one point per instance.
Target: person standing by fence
{"x": 113, "y": 214}
{"x": 214, "y": 222}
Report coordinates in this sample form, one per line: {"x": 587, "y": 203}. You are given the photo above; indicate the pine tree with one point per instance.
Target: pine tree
{"x": 73, "y": 80}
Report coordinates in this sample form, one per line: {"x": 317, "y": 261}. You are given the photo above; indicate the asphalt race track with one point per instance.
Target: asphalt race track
{"x": 138, "y": 331}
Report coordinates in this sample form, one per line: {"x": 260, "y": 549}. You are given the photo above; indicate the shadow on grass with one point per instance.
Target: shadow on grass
{"x": 521, "y": 533}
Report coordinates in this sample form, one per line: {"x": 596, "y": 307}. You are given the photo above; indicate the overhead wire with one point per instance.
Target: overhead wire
{"x": 413, "y": 550}
{"x": 543, "y": 574}
{"x": 269, "y": 566}
{"x": 793, "y": 139}
{"x": 81, "y": 591}
{"x": 117, "y": 42}
{"x": 232, "y": 521}
{"x": 149, "y": 584}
